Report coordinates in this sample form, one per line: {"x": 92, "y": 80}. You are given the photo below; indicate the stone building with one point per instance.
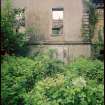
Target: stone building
{"x": 55, "y": 24}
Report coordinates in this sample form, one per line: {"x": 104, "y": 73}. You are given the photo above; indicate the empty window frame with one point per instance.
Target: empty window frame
{"x": 19, "y": 22}
{"x": 57, "y": 21}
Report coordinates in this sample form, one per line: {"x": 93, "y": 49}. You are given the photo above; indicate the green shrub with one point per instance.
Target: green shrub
{"x": 43, "y": 81}
{"x": 49, "y": 65}
{"x": 88, "y": 68}
{"x": 19, "y": 75}
{"x": 61, "y": 91}
{"x": 13, "y": 42}
{"x": 16, "y": 73}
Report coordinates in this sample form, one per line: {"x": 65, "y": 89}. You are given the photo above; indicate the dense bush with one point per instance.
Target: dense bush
{"x": 19, "y": 75}
{"x": 98, "y": 45}
{"x": 88, "y": 68}
{"x": 62, "y": 91}
{"x": 15, "y": 72}
{"x": 43, "y": 81}
{"x": 12, "y": 41}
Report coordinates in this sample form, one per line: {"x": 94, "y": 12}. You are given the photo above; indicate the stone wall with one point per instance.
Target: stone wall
{"x": 38, "y": 15}
{"x": 65, "y": 53}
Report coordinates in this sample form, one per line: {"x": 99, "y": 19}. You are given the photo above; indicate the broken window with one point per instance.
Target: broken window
{"x": 57, "y": 21}
{"x": 19, "y": 22}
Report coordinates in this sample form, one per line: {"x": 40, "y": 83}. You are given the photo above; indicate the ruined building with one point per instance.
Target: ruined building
{"x": 55, "y": 24}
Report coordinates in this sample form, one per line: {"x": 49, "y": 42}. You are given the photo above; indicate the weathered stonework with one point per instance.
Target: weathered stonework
{"x": 38, "y": 14}
{"x": 64, "y": 52}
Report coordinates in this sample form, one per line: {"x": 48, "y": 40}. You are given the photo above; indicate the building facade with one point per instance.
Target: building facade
{"x": 55, "y": 24}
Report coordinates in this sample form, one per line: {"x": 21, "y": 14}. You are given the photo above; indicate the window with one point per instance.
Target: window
{"x": 57, "y": 21}
{"x": 19, "y": 22}
{"x": 57, "y": 14}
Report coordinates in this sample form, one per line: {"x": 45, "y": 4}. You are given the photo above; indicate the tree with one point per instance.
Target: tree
{"x": 12, "y": 41}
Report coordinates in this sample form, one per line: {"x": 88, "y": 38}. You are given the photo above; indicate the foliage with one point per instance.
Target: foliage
{"x": 11, "y": 40}
{"x": 41, "y": 80}
{"x": 60, "y": 90}
{"x": 99, "y": 45}
{"x": 16, "y": 74}
{"x": 93, "y": 17}
{"x": 87, "y": 68}
{"x": 19, "y": 75}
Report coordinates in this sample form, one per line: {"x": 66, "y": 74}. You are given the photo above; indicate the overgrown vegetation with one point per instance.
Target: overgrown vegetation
{"x": 91, "y": 18}
{"x": 12, "y": 41}
{"x": 41, "y": 79}
{"x": 98, "y": 45}
{"x": 45, "y": 81}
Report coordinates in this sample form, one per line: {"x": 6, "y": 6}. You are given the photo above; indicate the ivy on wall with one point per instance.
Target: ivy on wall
{"x": 89, "y": 34}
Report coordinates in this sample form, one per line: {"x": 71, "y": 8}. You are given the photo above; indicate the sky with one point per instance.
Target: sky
{"x": 57, "y": 15}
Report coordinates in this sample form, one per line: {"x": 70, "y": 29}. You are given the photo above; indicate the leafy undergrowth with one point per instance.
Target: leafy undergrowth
{"x": 41, "y": 80}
